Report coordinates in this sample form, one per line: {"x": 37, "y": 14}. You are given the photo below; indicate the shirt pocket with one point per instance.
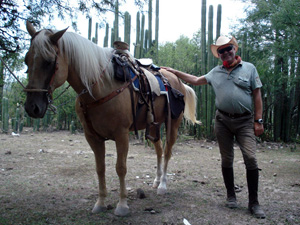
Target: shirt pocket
{"x": 242, "y": 82}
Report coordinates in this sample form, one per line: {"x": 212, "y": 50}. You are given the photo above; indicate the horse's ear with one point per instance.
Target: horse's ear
{"x": 55, "y": 37}
{"x": 30, "y": 28}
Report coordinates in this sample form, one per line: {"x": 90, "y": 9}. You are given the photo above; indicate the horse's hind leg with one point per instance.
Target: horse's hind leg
{"x": 159, "y": 151}
{"x": 162, "y": 188}
{"x": 98, "y": 148}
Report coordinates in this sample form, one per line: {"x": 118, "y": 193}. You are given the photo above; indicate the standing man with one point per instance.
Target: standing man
{"x": 237, "y": 86}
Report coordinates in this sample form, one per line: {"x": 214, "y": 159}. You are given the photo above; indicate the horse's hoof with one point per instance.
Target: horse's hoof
{"x": 99, "y": 209}
{"x": 122, "y": 211}
{"x": 161, "y": 191}
{"x": 155, "y": 184}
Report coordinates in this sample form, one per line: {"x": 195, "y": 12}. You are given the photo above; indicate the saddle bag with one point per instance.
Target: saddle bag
{"x": 121, "y": 68}
{"x": 176, "y": 102}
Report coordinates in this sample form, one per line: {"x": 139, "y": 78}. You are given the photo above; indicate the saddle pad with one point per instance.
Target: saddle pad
{"x": 160, "y": 84}
{"x": 154, "y": 85}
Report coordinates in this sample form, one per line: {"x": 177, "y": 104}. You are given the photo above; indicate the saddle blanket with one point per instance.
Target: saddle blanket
{"x": 136, "y": 82}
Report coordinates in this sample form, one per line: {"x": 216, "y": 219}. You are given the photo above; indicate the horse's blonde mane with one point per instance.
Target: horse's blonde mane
{"x": 90, "y": 61}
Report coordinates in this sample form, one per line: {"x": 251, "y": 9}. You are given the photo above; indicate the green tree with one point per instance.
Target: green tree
{"x": 271, "y": 30}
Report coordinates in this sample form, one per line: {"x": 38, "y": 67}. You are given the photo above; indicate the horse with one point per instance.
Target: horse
{"x": 55, "y": 57}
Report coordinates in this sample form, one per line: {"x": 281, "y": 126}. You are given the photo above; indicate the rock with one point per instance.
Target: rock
{"x": 140, "y": 193}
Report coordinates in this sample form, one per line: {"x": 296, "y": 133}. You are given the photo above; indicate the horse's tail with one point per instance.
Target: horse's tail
{"x": 190, "y": 105}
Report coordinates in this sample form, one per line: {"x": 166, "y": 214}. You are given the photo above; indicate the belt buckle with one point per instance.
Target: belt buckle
{"x": 232, "y": 116}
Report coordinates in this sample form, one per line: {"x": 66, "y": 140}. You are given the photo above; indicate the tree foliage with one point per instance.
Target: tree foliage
{"x": 15, "y": 12}
{"x": 272, "y": 28}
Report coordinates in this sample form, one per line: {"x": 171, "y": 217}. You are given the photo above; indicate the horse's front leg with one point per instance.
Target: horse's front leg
{"x": 98, "y": 148}
{"x": 122, "y": 144}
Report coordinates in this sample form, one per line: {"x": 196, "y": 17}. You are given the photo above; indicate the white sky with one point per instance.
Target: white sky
{"x": 176, "y": 17}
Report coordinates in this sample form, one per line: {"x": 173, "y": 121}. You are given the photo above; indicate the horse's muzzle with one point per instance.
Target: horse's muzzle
{"x": 36, "y": 104}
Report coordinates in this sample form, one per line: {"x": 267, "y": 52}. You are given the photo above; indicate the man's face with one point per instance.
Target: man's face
{"x": 227, "y": 53}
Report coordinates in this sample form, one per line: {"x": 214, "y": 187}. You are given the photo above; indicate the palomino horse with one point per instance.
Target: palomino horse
{"x": 56, "y": 57}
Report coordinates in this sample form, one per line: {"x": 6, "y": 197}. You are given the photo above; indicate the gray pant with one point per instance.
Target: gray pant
{"x": 242, "y": 129}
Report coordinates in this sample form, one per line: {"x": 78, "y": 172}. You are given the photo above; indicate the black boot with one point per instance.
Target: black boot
{"x": 229, "y": 184}
{"x": 254, "y": 207}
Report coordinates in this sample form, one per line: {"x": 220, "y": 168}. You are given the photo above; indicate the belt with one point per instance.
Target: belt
{"x": 234, "y": 115}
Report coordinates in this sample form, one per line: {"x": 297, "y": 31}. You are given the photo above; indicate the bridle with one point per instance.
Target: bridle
{"x": 48, "y": 91}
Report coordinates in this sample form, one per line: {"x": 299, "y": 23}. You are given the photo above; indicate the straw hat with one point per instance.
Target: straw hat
{"x": 223, "y": 40}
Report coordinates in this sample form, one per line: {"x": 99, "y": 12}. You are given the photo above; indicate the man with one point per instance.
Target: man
{"x": 236, "y": 85}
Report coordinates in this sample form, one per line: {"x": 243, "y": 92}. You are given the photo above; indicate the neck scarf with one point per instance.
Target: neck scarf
{"x": 237, "y": 60}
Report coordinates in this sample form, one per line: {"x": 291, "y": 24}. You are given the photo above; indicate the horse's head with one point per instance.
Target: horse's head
{"x": 47, "y": 69}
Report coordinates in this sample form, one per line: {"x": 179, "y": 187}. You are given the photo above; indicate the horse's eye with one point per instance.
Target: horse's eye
{"x": 47, "y": 64}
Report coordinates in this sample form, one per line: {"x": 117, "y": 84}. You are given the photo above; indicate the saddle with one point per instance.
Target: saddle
{"x": 147, "y": 80}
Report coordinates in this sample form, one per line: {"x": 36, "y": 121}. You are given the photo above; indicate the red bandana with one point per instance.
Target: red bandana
{"x": 236, "y": 61}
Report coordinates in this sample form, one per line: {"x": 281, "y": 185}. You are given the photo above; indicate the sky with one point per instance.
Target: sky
{"x": 176, "y": 18}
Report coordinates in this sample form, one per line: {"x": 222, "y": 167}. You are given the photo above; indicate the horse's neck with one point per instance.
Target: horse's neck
{"x": 100, "y": 89}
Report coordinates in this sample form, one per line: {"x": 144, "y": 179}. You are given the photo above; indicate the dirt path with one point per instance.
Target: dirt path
{"x": 50, "y": 178}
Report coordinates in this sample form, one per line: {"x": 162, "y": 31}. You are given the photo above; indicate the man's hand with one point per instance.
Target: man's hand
{"x": 258, "y": 129}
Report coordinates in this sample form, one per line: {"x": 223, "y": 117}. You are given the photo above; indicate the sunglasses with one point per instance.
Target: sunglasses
{"x": 227, "y": 49}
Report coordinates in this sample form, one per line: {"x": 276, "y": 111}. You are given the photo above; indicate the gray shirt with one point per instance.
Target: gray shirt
{"x": 234, "y": 89}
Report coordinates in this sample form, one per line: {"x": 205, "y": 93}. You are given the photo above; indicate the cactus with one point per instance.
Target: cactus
{"x": 127, "y": 26}
{"x": 219, "y": 17}
{"x": 105, "y": 42}
{"x": 90, "y": 29}
{"x": 138, "y": 37}
{"x": 218, "y": 28}
{"x": 5, "y": 115}
{"x": 150, "y": 24}
{"x": 210, "y": 65}
{"x": 156, "y": 29}
{"x": 143, "y": 35}
{"x": 116, "y": 22}
{"x": 96, "y": 34}
{"x": 72, "y": 127}
{"x": 202, "y": 92}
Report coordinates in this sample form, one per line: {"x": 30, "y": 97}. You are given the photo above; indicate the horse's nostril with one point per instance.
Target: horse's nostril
{"x": 36, "y": 109}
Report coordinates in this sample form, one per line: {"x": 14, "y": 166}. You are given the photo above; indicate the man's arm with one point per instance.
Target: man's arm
{"x": 258, "y": 107}
{"x": 194, "y": 80}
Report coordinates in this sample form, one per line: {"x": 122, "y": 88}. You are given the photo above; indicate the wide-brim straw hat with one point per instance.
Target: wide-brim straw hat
{"x": 223, "y": 40}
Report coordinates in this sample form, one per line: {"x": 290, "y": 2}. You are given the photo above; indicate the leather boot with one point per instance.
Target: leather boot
{"x": 229, "y": 184}
{"x": 254, "y": 207}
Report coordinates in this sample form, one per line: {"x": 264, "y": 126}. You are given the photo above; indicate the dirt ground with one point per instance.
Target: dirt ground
{"x": 50, "y": 178}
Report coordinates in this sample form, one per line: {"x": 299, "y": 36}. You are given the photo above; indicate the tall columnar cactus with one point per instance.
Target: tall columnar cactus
{"x": 150, "y": 24}
{"x": 210, "y": 38}
{"x": 95, "y": 39}
{"x": 105, "y": 42}
{"x": 218, "y": 28}
{"x": 138, "y": 36}
{"x": 156, "y": 28}
{"x": 202, "y": 93}
{"x": 5, "y": 115}
{"x": 112, "y": 37}
{"x": 219, "y": 17}
{"x": 210, "y": 62}
{"x": 143, "y": 35}
{"x": 127, "y": 26}
{"x": 116, "y": 22}
{"x": 90, "y": 29}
